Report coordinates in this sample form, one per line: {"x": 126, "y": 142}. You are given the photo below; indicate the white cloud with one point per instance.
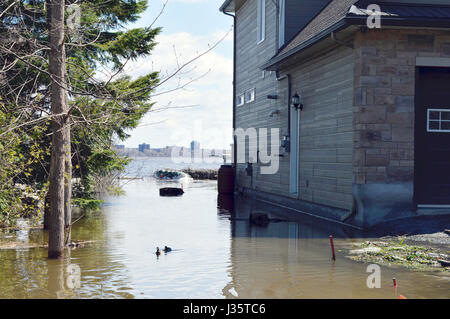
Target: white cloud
{"x": 211, "y": 93}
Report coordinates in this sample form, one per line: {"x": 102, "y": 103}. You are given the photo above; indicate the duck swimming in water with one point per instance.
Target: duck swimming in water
{"x": 158, "y": 251}
{"x": 167, "y": 249}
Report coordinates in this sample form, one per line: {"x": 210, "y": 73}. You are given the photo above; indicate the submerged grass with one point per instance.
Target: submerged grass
{"x": 397, "y": 252}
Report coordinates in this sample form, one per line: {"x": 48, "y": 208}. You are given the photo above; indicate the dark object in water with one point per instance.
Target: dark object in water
{"x": 158, "y": 251}
{"x": 75, "y": 245}
{"x": 225, "y": 183}
{"x": 447, "y": 231}
{"x": 167, "y": 249}
{"x": 444, "y": 263}
{"x": 259, "y": 219}
{"x": 170, "y": 191}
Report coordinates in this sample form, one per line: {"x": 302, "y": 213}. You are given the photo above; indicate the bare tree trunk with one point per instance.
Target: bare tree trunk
{"x": 57, "y": 68}
{"x": 68, "y": 186}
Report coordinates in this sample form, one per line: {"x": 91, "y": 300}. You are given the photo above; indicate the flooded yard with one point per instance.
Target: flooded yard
{"x": 212, "y": 257}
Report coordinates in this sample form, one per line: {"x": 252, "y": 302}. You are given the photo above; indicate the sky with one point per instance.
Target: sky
{"x": 201, "y": 110}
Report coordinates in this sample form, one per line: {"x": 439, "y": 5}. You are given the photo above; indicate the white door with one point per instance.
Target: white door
{"x": 293, "y": 189}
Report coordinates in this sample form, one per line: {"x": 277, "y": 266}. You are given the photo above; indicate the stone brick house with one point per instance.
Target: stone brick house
{"x": 370, "y": 142}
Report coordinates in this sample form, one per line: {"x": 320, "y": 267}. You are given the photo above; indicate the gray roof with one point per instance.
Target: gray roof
{"x": 224, "y": 6}
{"x": 336, "y": 10}
{"x": 339, "y": 13}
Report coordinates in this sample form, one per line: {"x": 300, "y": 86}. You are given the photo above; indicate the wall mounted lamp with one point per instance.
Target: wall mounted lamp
{"x": 296, "y": 102}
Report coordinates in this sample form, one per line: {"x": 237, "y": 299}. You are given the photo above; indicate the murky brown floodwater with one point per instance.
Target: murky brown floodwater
{"x": 213, "y": 257}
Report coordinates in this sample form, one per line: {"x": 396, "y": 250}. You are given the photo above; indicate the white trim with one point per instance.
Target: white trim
{"x": 433, "y": 61}
{"x": 294, "y": 153}
{"x": 261, "y": 21}
{"x": 432, "y": 206}
{"x": 440, "y": 121}
{"x": 239, "y": 97}
{"x": 253, "y": 98}
{"x": 281, "y": 22}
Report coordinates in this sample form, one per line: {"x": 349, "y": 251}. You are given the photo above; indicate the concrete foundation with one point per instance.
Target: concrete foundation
{"x": 377, "y": 203}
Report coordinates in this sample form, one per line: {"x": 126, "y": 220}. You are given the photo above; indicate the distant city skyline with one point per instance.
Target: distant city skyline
{"x": 146, "y": 146}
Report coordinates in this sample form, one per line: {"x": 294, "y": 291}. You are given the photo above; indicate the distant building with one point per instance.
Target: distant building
{"x": 195, "y": 149}
{"x": 144, "y": 147}
{"x": 119, "y": 147}
{"x": 195, "y": 146}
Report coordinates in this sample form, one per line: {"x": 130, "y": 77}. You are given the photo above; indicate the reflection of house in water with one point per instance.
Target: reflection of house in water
{"x": 292, "y": 258}
{"x": 281, "y": 259}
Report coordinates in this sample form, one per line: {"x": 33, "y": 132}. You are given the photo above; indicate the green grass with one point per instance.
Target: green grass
{"x": 397, "y": 252}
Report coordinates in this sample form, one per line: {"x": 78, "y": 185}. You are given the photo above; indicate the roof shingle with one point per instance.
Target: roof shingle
{"x": 335, "y": 11}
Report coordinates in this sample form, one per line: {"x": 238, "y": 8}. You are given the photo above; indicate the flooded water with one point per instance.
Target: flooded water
{"x": 212, "y": 257}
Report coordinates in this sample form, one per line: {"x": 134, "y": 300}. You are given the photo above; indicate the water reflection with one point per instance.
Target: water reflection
{"x": 217, "y": 253}
{"x": 292, "y": 259}
{"x": 225, "y": 205}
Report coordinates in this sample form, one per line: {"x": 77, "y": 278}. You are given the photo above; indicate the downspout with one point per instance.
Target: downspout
{"x": 234, "y": 93}
{"x": 289, "y": 137}
{"x": 288, "y": 77}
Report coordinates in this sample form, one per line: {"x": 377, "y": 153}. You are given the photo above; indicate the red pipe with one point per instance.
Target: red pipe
{"x": 332, "y": 247}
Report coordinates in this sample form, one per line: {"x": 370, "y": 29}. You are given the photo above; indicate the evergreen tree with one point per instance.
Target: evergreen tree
{"x": 52, "y": 73}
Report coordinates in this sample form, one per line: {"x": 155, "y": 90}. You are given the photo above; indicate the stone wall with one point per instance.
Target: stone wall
{"x": 384, "y": 116}
{"x": 385, "y": 65}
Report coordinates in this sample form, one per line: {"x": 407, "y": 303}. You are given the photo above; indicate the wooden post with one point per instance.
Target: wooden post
{"x": 332, "y": 247}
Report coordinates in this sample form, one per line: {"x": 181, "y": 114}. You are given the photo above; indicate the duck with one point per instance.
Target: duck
{"x": 167, "y": 249}
{"x": 158, "y": 251}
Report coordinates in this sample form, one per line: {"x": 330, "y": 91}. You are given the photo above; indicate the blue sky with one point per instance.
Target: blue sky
{"x": 190, "y": 27}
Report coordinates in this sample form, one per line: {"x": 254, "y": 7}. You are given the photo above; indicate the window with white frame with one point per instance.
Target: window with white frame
{"x": 438, "y": 120}
{"x": 281, "y": 22}
{"x": 261, "y": 27}
{"x": 240, "y": 100}
{"x": 250, "y": 96}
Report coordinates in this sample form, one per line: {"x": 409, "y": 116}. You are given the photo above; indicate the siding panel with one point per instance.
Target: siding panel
{"x": 325, "y": 133}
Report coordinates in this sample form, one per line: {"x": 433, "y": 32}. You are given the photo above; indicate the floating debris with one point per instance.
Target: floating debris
{"x": 171, "y": 191}
{"x": 25, "y": 245}
{"x": 79, "y": 244}
{"x": 21, "y": 245}
{"x": 444, "y": 263}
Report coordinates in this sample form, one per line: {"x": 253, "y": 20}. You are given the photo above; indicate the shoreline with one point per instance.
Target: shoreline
{"x": 405, "y": 251}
